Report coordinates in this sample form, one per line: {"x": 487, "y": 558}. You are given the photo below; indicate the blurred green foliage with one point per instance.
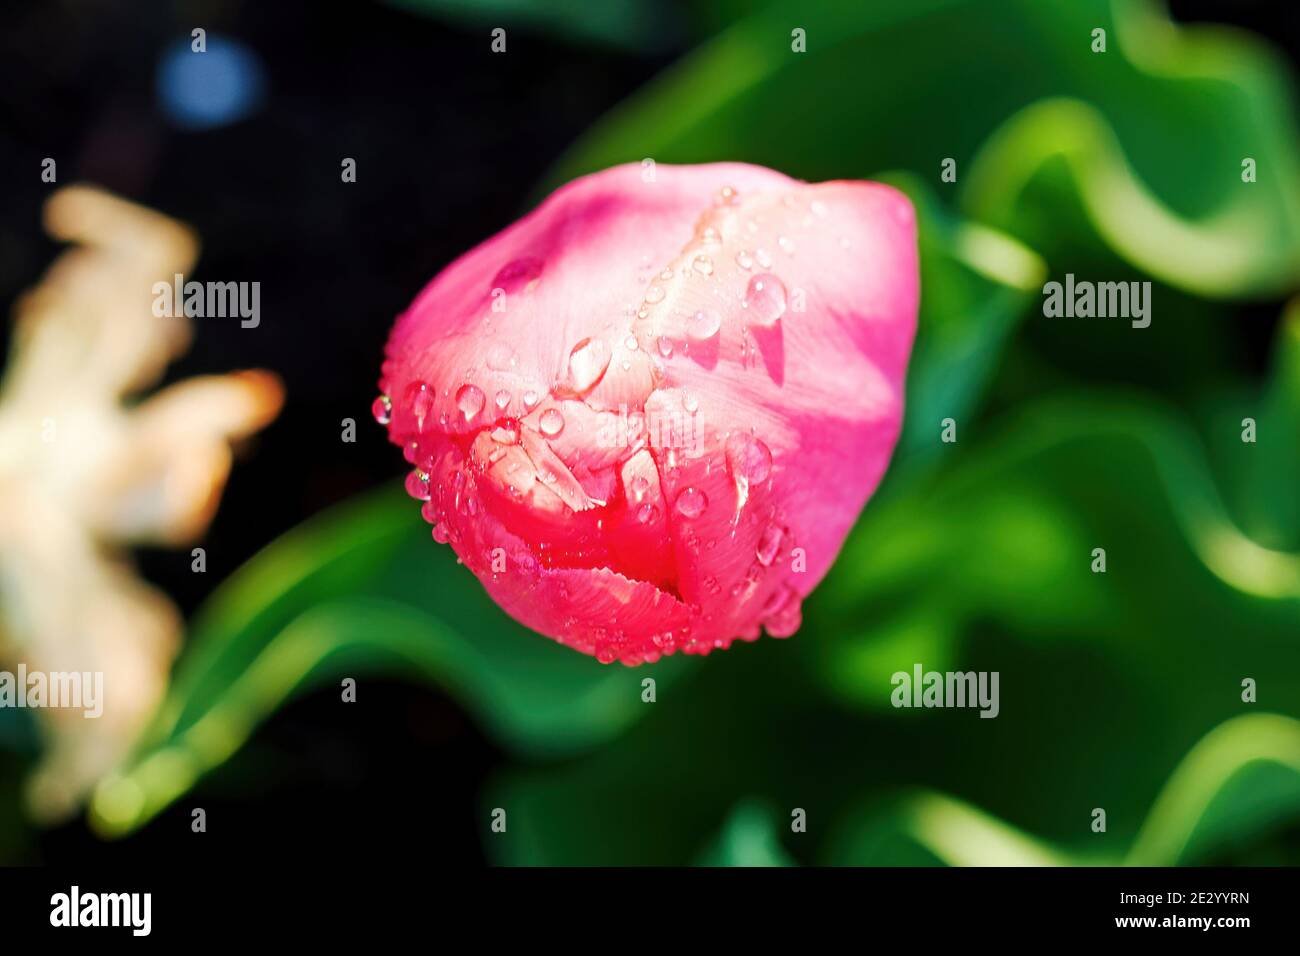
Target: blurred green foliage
{"x": 1119, "y": 691}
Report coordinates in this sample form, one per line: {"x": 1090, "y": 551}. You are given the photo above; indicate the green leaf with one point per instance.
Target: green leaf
{"x": 362, "y": 589}
{"x": 1218, "y": 792}
{"x": 749, "y": 837}
{"x": 933, "y": 829}
{"x": 976, "y": 284}
{"x": 1241, "y": 778}
{"x": 1267, "y": 497}
{"x": 904, "y": 84}
{"x": 1106, "y": 679}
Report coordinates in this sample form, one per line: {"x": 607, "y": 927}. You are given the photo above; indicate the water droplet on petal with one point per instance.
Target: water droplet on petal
{"x": 703, "y": 265}
{"x": 417, "y": 485}
{"x": 778, "y": 599}
{"x": 764, "y": 260}
{"x": 470, "y": 399}
{"x": 530, "y": 399}
{"x": 769, "y": 545}
{"x": 419, "y": 398}
{"x": 786, "y": 244}
{"x": 818, "y": 208}
{"x": 382, "y": 409}
{"x": 691, "y": 503}
{"x": 783, "y": 612}
{"x": 441, "y": 533}
{"x": 749, "y": 462}
{"x": 744, "y": 260}
{"x": 665, "y": 346}
{"x": 647, "y": 513}
{"x": 654, "y": 294}
{"x": 765, "y": 299}
{"x": 703, "y": 325}
{"x": 551, "y": 423}
{"x": 503, "y": 400}
{"x": 587, "y": 363}
{"x": 640, "y": 486}
{"x": 690, "y": 402}
{"x": 630, "y": 343}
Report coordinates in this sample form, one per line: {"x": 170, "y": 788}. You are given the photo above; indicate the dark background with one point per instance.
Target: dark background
{"x": 450, "y": 142}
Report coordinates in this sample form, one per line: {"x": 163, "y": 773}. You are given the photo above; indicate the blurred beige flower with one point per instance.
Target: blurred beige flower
{"x": 84, "y": 474}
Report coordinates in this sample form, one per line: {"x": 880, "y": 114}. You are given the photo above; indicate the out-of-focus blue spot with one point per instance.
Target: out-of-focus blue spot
{"x": 211, "y": 89}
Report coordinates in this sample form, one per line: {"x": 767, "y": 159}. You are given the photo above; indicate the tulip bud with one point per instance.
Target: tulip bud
{"x": 647, "y": 414}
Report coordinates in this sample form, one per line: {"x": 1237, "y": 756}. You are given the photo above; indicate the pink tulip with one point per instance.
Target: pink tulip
{"x": 647, "y": 414}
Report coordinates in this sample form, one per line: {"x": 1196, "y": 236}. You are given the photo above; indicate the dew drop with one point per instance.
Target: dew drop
{"x": 647, "y": 513}
{"x": 470, "y": 399}
{"x": 665, "y": 346}
{"x": 749, "y": 461}
{"x": 703, "y": 325}
{"x": 786, "y": 244}
{"x": 551, "y": 422}
{"x": 769, "y": 545}
{"x": 691, "y": 503}
{"x": 502, "y": 400}
{"x": 640, "y": 486}
{"x": 703, "y": 265}
{"x": 441, "y": 533}
{"x": 587, "y": 363}
{"x": 778, "y": 600}
{"x": 417, "y": 485}
{"x": 419, "y": 398}
{"x": 690, "y": 402}
{"x": 382, "y": 409}
{"x": 783, "y": 612}
{"x": 530, "y": 399}
{"x": 765, "y": 299}
{"x": 744, "y": 260}
{"x": 654, "y": 294}
{"x": 630, "y": 343}
{"x": 764, "y": 259}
